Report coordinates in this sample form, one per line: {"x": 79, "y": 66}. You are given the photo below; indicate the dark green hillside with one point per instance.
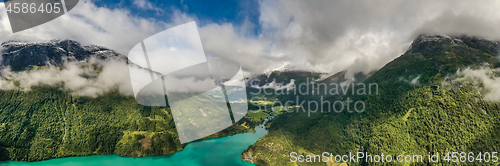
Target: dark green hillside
{"x": 415, "y": 113}
{"x": 47, "y": 122}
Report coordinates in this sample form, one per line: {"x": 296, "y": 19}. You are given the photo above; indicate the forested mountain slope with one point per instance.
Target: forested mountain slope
{"x": 48, "y": 121}
{"x": 425, "y": 105}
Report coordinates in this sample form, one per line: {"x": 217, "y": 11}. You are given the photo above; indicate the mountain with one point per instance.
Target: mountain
{"x": 423, "y": 105}
{"x": 19, "y": 55}
{"x": 48, "y": 121}
{"x": 278, "y": 79}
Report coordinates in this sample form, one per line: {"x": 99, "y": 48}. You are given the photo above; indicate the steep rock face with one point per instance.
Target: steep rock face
{"x": 488, "y": 46}
{"x": 415, "y": 112}
{"x": 434, "y": 41}
{"x": 19, "y": 55}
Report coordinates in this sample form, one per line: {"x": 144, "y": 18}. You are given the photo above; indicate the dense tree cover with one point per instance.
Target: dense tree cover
{"x": 48, "y": 123}
{"x": 424, "y": 117}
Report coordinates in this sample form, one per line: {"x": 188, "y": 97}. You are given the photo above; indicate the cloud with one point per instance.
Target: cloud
{"x": 364, "y": 35}
{"x": 277, "y": 86}
{"x": 224, "y": 41}
{"x": 485, "y": 80}
{"x": 82, "y": 79}
{"x": 89, "y": 24}
{"x": 323, "y": 36}
{"x": 146, "y": 5}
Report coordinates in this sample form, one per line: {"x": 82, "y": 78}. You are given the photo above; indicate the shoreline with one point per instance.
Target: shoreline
{"x": 208, "y": 138}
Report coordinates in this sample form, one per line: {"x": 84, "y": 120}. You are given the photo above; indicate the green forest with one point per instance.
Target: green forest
{"x": 422, "y": 107}
{"x": 46, "y": 123}
{"x": 433, "y": 115}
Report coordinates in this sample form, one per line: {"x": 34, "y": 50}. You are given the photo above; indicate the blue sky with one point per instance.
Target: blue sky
{"x": 214, "y": 11}
{"x": 324, "y": 36}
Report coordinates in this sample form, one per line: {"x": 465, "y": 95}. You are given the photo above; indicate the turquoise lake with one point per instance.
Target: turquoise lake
{"x": 213, "y": 151}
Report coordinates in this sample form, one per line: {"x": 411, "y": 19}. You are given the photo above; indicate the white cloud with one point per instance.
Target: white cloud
{"x": 484, "y": 78}
{"x": 363, "y": 35}
{"x": 115, "y": 28}
{"x": 277, "y": 86}
{"x": 146, "y": 5}
{"x": 80, "y": 79}
{"x": 224, "y": 41}
{"x": 325, "y": 36}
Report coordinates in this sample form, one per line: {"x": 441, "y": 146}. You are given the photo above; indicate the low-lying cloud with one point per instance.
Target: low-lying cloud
{"x": 274, "y": 85}
{"x": 485, "y": 78}
{"x": 363, "y": 35}
{"x": 82, "y": 79}
{"x": 324, "y": 36}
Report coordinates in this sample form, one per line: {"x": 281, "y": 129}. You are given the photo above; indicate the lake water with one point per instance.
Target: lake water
{"x": 213, "y": 151}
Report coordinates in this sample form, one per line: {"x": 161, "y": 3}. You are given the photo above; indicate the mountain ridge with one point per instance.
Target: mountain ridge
{"x": 48, "y": 122}
{"x": 112, "y": 124}
{"x": 19, "y": 55}
{"x": 405, "y": 118}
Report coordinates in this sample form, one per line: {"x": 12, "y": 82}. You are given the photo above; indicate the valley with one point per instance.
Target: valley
{"x": 429, "y": 100}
